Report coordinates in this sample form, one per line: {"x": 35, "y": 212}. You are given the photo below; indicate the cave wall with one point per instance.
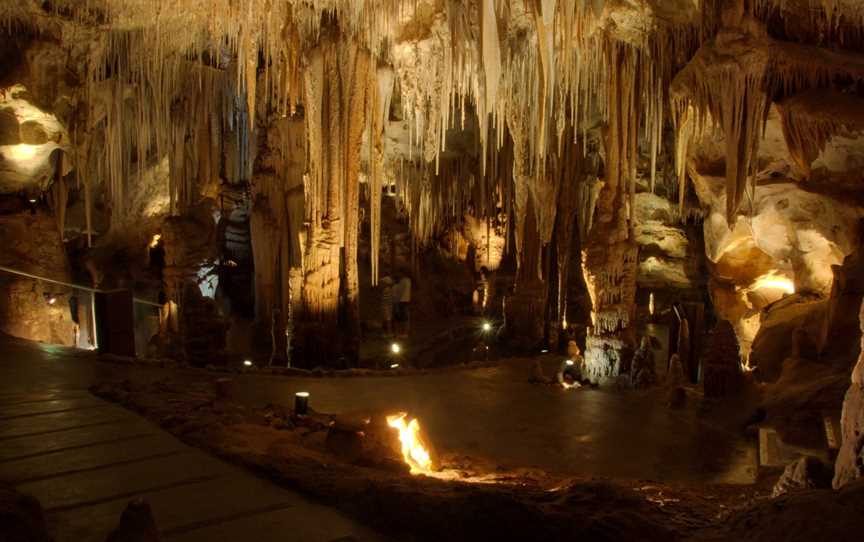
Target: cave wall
{"x": 32, "y": 244}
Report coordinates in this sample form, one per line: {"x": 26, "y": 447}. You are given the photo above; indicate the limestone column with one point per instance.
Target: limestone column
{"x": 335, "y": 85}
{"x": 609, "y": 255}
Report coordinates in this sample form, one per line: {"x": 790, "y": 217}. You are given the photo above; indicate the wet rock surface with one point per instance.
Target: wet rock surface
{"x": 327, "y": 458}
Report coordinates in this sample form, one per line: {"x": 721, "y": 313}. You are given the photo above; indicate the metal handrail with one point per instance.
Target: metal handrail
{"x": 74, "y": 286}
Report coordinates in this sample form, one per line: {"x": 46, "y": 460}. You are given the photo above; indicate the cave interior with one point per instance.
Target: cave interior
{"x": 579, "y": 263}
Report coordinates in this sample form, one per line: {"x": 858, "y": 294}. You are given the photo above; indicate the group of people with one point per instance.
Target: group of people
{"x": 396, "y": 305}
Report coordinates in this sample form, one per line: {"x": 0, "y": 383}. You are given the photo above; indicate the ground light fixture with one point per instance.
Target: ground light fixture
{"x": 301, "y": 403}
{"x": 395, "y": 348}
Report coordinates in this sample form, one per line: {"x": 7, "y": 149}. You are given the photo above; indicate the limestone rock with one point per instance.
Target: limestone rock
{"x": 9, "y": 129}
{"x": 806, "y": 473}
{"x": 31, "y": 243}
{"x": 669, "y": 255}
{"x": 795, "y": 317}
{"x": 722, "y": 373}
{"x": 850, "y": 459}
{"x": 33, "y": 133}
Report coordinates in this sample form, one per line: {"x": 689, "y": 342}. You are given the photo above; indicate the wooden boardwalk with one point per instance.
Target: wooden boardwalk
{"x": 84, "y": 459}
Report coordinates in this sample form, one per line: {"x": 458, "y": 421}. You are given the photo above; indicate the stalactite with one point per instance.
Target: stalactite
{"x": 572, "y": 173}
{"x": 491, "y": 54}
{"x": 59, "y": 194}
{"x": 811, "y": 119}
{"x": 381, "y": 91}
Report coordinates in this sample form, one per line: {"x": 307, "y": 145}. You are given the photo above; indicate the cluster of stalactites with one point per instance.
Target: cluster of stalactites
{"x": 731, "y": 81}
{"x": 533, "y": 101}
{"x": 143, "y": 110}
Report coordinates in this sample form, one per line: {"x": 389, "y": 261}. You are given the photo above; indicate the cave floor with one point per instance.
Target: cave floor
{"x": 490, "y": 412}
{"x": 85, "y": 458}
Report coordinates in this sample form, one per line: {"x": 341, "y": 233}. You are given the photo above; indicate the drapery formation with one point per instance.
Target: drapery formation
{"x": 336, "y": 90}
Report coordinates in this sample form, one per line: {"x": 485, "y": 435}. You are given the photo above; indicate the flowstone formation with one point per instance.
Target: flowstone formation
{"x": 850, "y": 459}
{"x": 543, "y": 135}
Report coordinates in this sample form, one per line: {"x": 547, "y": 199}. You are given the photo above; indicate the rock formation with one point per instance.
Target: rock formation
{"x": 722, "y": 364}
{"x": 850, "y": 460}
{"x": 573, "y": 143}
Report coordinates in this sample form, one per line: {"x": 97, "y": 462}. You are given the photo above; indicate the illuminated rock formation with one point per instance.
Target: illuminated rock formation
{"x": 555, "y": 124}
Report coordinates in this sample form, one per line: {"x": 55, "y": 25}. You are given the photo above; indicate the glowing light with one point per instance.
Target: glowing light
{"x": 23, "y": 152}
{"x": 544, "y": 351}
{"x": 155, "y": 241}
{"x": 395, "y": 348}
{"x": 773, "y": 281}
{"x": 780, "y": 284}
{"x": 651, "y": 303}
{"x": 32, "y": 200}
{"x": 414, "y": 452}
{"x": 487, "y": 326}
{"x": 52, "y": 300}
{"x": 394, "y": 366}
{"x": 569, "y": 362}
{"x": 302, "y": 394}
{"x": 247, "y": 363}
